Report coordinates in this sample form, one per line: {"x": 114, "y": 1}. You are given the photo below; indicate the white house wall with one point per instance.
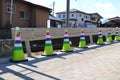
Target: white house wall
{"x": 91, "y": 26}
{"x": 79, "y": 18}
{"x": 81, "y": 23}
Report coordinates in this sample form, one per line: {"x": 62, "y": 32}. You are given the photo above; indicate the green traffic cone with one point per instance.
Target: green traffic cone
{"x": 117, "y": 36}
{"x": 18, "y": 53}
{"x": 109, "y": 37}
{"x": 66, "y": 44}
{"x": 82, "y": 42}
{"x": 100, "y": 38}
{"x": 48, "y": 50}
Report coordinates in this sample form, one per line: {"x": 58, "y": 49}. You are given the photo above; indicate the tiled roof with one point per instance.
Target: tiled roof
{"x": 55, "y": 18}
{"x": 115, "y": 18}
{"x": 72, "y": 10}
{"x": 75, "y": 10}
{"x": 35, "y": 4}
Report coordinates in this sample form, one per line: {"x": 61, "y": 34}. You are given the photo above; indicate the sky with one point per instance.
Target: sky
{"x": 106, "y": 8}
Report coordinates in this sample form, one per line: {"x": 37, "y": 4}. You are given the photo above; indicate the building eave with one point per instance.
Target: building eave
{"x": 91, "y": 22}
{"x": 72, "y": 11}
{"x": 36, "y": 4}
{"x": 51, "y": 17}
{"x": 96, "y": 14}
{"x": 78, "y": 11}
{"x": 114, "y": 18}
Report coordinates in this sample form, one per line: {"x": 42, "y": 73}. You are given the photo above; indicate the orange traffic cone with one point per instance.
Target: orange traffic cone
{"x": 82, "y": 42}
{"x": 18, "y": 54}
{"x": 100, "y": 38}
{"x": 66, "y": 44}
{"x": 48, "y": 50}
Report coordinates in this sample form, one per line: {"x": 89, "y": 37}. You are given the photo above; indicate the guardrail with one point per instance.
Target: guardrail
{"x": 31, "y": 34}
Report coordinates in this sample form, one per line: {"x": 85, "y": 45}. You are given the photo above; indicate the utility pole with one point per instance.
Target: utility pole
{"x": 68, "y": 10}
{"x": 11, "y": 13}
{"x": 53, "y": 8}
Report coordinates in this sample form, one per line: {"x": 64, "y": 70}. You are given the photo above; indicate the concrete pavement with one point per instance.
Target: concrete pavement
{"x": 93, "y": 63}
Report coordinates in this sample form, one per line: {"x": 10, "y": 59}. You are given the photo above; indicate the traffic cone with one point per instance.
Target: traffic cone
{"x": 117, "y": 37}
{"x": 109, "y": 36}
{"x": 82, "y": 42}
{"x": 48, "y": 50}
{"x": 100, "y": 38}
{"x": 66, "y": 44}
{"x": 18, "y": 54}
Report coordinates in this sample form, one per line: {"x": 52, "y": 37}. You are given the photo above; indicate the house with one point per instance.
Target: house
{"x": 80, "y": 19}
{"x": 24, "y": 14}
{"x": 56, "y": 22}
{"x": 112, "y": 22}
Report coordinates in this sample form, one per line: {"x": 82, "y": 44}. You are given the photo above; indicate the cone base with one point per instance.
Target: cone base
{"x": 110, "y": 41}
{"x": 116, "y": 40}
{"x": 49, "y": 55}
{"x": 101, "y": 44}
{"x": 83, "y": 47}
{"x": 11, "y": 60}
{"x": 67, "y": 51}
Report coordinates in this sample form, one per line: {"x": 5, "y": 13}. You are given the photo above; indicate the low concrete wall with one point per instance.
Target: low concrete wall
{"x": 6, "y": 46}
{"x": 32, "y": 34}
{"x": 39, "y": 33}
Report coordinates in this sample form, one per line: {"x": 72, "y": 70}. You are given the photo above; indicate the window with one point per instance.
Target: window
{"x": 72, "y": 15}
{"x": 82, "y": 19}
{"x": 80, "y": 15}
{"x": 22, "y": 14}
{"x": 92, "y": 18}
{"x": 63, "y": 16}
{"x": 70, "y": 24}
{"x": 59, "y": 16}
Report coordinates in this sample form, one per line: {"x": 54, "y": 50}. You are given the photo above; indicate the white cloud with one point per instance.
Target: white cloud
{"x": 107, "y": 10}
{"x": 106, "y": 6}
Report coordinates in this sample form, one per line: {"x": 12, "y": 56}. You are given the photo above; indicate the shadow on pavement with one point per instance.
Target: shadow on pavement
{"x": 4, "y": 68}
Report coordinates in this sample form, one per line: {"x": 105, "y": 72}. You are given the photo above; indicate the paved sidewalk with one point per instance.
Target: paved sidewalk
{"x": 93, "y": 63}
